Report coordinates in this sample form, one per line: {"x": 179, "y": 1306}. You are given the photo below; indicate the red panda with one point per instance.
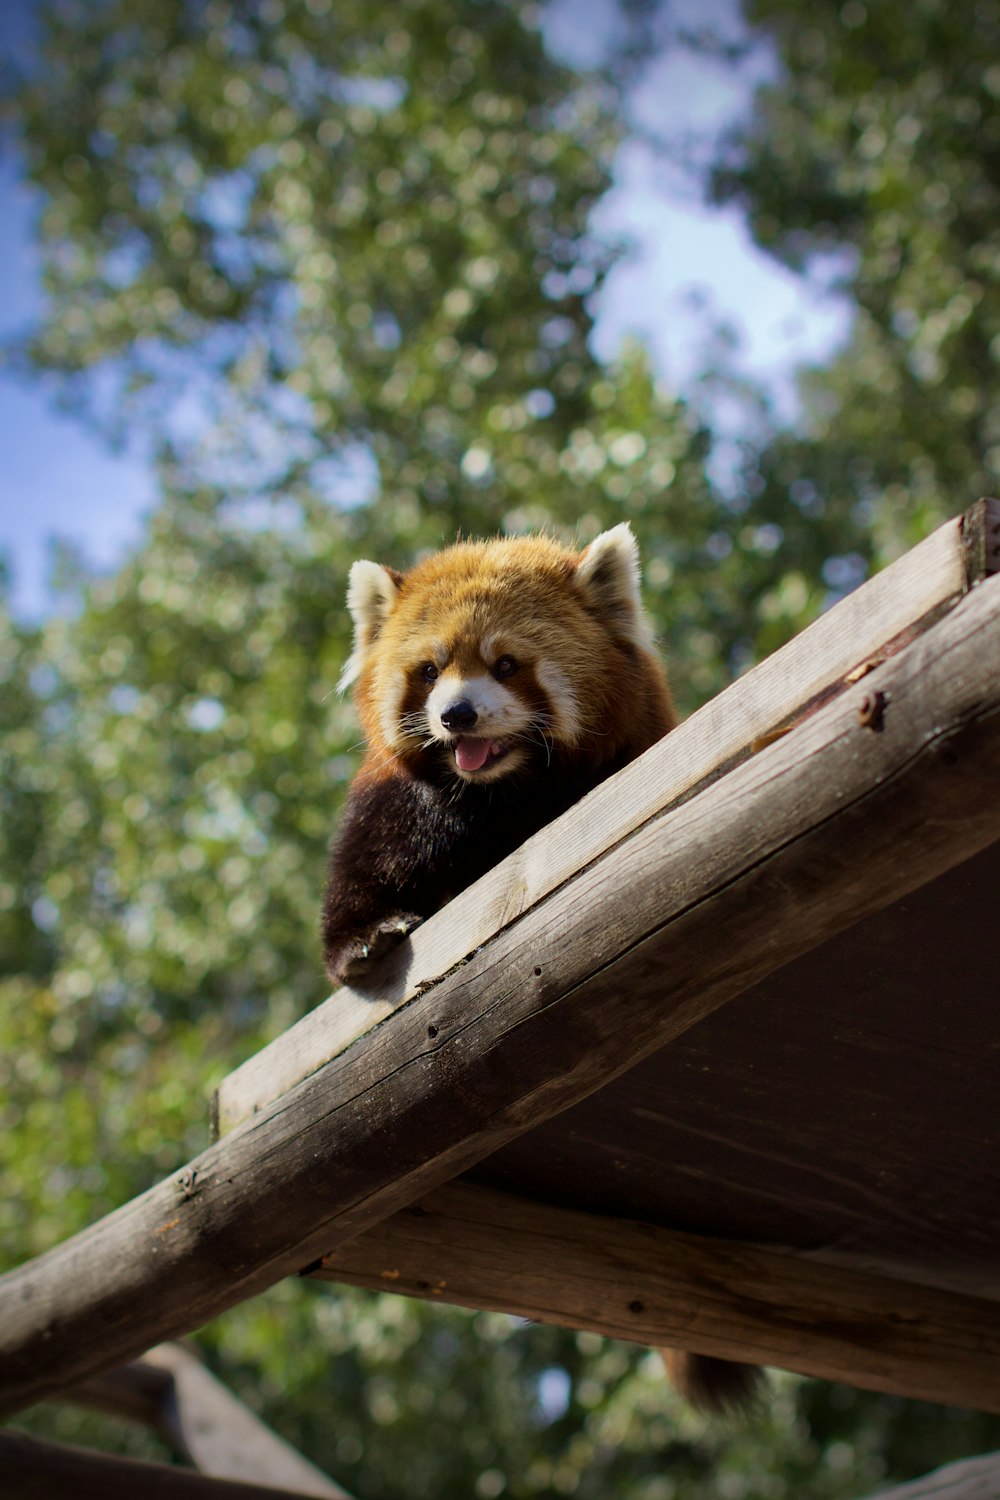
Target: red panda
{"x": 497, "y": 682}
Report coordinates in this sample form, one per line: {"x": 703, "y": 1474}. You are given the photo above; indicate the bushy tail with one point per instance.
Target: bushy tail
{"x": 717, "y": 1387}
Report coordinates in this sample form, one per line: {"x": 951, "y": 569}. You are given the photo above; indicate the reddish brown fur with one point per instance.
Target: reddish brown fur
{"x": 521, "y": 590}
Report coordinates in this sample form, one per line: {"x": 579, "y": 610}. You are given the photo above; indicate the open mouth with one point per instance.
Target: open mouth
{"x": 473, "y": 754}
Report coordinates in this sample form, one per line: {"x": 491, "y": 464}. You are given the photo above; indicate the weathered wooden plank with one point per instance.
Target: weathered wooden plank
{"x": 825, "y": 825}
{"x": 478, "y": 1248}
{"x": 37, "y": 1470}
{"x": 861, "y": 629}
{"x": 171, "y": 1391}
{"x": 885, "y": 1154}
{"x": 970, "y": 1479}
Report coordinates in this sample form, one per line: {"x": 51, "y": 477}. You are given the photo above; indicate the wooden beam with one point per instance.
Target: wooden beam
{"x": 206, "y": 1425}
{"x": 831, "y": 822}
{"x": 980, "y": 528}
{"x": 37, "y": 1470}
{"x": 845, "y": 643}
{"x": 479, "y": 1248}
{"x": 140, "y": 1393}
{"x": 970, "y": 1479}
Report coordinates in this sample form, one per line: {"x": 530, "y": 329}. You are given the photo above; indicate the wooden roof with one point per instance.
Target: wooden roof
{"x": 845, "y": 1107}
{"x": 711, "y": 1061}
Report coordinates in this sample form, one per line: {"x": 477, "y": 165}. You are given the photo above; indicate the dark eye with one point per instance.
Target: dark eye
{"x": 429, "y": 672}
{"x": 504, "y": 666}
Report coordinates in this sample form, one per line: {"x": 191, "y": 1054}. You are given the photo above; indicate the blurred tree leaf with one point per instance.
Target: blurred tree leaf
{"x": 874, "y": 160}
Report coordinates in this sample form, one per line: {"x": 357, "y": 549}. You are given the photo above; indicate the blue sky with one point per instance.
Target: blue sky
{"x": 55, "y": 479}
{"x": 690, "y": 264}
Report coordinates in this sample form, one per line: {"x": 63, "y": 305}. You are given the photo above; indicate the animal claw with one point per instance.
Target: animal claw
{"x": 380, "y": 941}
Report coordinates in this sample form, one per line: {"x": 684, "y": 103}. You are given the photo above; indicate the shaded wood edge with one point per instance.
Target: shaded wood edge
{"x": 34, "y": 1469}
{"x": 202, "y": 1421}
{"x": 969, "y": 1479}
{"x": 481, "y": 1248}
{"x": 139, "y": 1392}
{"x": 980, "y": 535}
{"x": 861, "y": 631}
{"x": 825, "y": 826}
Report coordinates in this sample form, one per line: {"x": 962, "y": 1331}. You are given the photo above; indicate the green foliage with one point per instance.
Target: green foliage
{"x": 23, "y": 805}
{"x": 334, "y": 265}
{"x": 342, "y": 232}
{"x": 876, "y": 154}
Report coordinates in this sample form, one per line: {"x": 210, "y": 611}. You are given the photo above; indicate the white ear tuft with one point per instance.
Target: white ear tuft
{"x": 372, "y": 592}
{"x": 608, "y": 574}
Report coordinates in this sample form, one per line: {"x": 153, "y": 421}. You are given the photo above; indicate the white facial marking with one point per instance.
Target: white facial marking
{"x": 391, "y": 692}
{"x": 499, "y": 711}
{"x": 564, "y": 710}
{"x": 489, "y": 649}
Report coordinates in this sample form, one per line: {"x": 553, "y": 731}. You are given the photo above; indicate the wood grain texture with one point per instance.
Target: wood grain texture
{"x": 826, "y": 825}
{"x": 844, "y": 1107}
{"x": 35, "y": 1470}
{"x": 860, "y": 630}
{"x": 483, "y": 1249}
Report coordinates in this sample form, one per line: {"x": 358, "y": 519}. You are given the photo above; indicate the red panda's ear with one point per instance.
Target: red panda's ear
{"x": 372, "y": 592}
{"x": 608, "y": 574}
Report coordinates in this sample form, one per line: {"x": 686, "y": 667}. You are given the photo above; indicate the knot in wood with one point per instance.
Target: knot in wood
{"x": 871, "y": 710}
{"x": 187, "y": 1181}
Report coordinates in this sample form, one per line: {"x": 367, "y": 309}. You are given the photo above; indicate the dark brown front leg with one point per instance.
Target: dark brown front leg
{"x": 349, "y": 956}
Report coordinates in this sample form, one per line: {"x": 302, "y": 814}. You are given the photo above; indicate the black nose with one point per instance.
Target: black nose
{"x": 460, "y": 715}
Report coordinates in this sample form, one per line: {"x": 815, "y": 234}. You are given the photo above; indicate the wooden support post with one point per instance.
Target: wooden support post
{"x": 971, "y": 1479}
{"x": 171, "y": 1391}
{"x": 686, "y": 911}
{"x": 142, "y": 1393}
{"x": 480, "y": 1248}
{"x": 35, "y": 1470}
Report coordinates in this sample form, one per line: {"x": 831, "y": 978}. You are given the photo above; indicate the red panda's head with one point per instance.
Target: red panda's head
{"x": 490, "y": 656}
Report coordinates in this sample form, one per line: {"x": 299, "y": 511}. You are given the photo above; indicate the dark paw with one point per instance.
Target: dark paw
{"x": 356, "y": 961}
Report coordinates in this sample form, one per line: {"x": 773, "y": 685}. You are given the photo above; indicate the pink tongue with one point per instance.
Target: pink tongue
{"x": 471, "y": 755}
